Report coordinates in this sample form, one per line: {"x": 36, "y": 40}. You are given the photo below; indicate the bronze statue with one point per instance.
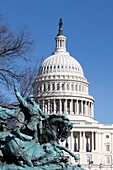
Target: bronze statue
{"x": 32, "y": 112}
{"x": 60, "y": 31}
{"x": 29, "y": 149}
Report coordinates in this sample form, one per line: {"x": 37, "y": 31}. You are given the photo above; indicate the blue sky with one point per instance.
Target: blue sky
{"x": 88, "y": 26}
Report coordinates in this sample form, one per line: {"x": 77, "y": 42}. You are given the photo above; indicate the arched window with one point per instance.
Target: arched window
{"x": 76, "y": 87}
{"x": 63, "y": 86}
{"x": 80, "y": 88}
{"x": 58, "y": 86}
{"x": 68, "y": 87}
{"x": 83, "y": 88}
{"x": 72, "y": 87}
{"x": 53, "y": 86}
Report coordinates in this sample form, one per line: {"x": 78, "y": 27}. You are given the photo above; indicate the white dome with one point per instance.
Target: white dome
{"x": 61, "y": 62}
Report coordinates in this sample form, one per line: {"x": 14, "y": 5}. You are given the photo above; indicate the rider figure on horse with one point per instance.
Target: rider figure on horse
{"x": 32, "y": 112}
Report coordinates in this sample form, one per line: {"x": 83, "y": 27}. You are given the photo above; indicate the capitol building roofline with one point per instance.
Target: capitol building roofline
{"x": 61, "y": 87}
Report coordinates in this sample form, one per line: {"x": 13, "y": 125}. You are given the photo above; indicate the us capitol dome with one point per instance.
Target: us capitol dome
{"x": 61, "y": 87}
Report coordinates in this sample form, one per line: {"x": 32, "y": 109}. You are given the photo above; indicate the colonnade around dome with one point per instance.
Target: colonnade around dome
{"x": 67, "y": 106}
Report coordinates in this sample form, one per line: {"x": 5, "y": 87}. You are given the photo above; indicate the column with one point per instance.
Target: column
{"x": 89, "y": 142}
{"x": 74, "y": 106}
{"x": 80, "y": 141}
{"x": 72, "y": 142}
{"x": 48, "y": 106}
{"x": 60, "y": 105}
{"x": 77, "y": 107}
{"x": 71, "y": 107}
{"x": 92, "y": 141}
{"x": 92, "y": 110}
{"x": 68, "y": 105}
{"x": 54, "y": 106}
{"x": 96, "y": 141}
{"x": 86, "y": 110}
{"x": 65, "y": 106}
{"x": 81, "y": 107}
{"x": 84, "y": 142}
{"x": 58, "y": 43}
{"x": 101, "y": 141}
{"x": 51, "y": 106}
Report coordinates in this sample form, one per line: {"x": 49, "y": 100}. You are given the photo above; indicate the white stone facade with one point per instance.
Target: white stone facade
{"x": 61, "y": 87}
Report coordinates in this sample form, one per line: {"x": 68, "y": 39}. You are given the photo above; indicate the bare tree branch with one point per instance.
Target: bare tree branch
{"x": 15, "y": 66}
{"x": 12, "y": 47}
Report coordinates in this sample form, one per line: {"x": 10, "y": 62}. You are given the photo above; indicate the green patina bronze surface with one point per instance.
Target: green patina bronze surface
{"x": 33, "y": 143}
